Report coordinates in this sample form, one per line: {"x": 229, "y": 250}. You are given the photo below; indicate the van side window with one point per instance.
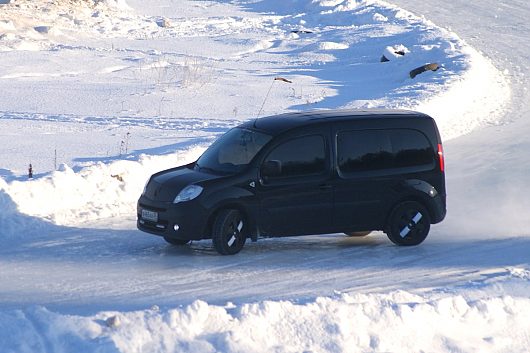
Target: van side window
{"x": 300, "y": 156}
{"x": 378, "y": 150}
{"x": 359, "y": 151}
{"x": 411, "y": 148}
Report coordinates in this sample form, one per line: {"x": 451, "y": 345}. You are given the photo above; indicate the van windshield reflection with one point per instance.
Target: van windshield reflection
{"x": 232, "y": 152}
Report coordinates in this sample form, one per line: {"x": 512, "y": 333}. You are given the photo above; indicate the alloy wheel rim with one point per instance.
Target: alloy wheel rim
{"x": 411, "y": 224}
{"x": 234, "y": 231}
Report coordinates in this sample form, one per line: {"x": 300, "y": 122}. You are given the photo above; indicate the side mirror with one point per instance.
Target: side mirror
{"x": 271, "y": 168}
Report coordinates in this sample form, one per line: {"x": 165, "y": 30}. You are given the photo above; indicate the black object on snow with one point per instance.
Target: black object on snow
{"x": 422, "y": 69}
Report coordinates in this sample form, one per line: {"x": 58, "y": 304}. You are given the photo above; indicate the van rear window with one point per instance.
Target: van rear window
{"x": 382, "y": 150}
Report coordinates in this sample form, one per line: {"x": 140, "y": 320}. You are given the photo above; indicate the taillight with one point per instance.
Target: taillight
{"x": 441, "y": 157}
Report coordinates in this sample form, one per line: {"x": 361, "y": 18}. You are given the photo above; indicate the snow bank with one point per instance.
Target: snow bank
{"x": 397, "y": 322}
{"x": 13, "y": 224}
{"x": 120, "y": 4}
{"x": 476, "y": 98}
{"x": 466, "y": 93}
{"x": 98, "y": 191}
{"x": 39, "y": 25}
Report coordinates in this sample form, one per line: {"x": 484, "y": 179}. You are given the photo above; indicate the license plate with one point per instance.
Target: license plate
{"x": 150, "y": 215}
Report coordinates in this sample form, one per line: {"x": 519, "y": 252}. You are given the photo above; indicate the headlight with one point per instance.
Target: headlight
{"x": 188, "y": 193}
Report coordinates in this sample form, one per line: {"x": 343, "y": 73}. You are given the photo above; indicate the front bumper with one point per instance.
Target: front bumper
{"x": 185, "y": 221}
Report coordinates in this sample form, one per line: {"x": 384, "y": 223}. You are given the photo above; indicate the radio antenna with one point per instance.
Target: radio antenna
{"x": 269, "y": 91}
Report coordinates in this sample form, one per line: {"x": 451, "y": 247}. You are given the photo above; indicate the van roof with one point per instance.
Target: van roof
{"x": 276, "y": 124}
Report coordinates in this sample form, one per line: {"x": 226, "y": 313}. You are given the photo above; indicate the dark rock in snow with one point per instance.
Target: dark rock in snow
{"x": 422, "y": 69}
{"x": 301, "y": 31}
{"x": 42, "y": 29}
{"x": 113, "y": 321}
{"x": 397, "y": 52}
{"x": 163, "y": 22}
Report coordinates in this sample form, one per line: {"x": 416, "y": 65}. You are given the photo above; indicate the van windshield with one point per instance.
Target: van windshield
{"x": 232, "y": 152}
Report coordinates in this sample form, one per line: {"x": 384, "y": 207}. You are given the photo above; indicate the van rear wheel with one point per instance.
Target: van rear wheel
{"x": 408, "y": 224}
{"x": 228, "y": 232}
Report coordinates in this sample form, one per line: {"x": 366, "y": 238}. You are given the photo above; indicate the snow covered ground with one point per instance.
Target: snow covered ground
{"x": 99, "y": 96}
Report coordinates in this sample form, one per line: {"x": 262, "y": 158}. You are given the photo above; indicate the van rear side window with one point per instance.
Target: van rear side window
{"x": 383, "y": 151}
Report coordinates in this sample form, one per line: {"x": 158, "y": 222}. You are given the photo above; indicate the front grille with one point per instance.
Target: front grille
{"x": 152, "y": 208}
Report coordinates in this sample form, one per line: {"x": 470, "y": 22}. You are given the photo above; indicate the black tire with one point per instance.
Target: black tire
{"x": 174, "y": 241}
{"x": 408, "y": 224}
{"x": 229, "y": 232}
{"x": 358, "y": 234}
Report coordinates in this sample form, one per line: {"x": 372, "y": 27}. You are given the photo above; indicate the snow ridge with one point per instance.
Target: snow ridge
{"x": 14, "y": 225}
{"x": 95, "y": 192}
{"x": 396, "y": 322}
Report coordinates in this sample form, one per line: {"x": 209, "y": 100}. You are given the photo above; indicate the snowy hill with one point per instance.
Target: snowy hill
{"x": 98, "y": 95}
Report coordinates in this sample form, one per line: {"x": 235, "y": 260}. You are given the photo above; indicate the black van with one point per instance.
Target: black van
{"x": 349, "y": 171}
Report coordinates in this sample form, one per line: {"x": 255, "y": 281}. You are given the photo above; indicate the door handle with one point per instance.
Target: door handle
{"x": 325, "y": 187}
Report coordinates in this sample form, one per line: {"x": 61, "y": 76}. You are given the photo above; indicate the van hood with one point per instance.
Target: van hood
{"x": 165, "y": 185}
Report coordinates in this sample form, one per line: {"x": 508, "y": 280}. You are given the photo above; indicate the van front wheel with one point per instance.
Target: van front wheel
{"x": 408, "y": 224}
{"x": 228, "y": 235}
